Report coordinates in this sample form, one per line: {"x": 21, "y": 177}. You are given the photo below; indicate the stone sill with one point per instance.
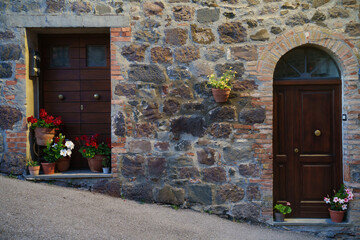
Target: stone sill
{"x": 72, "y": 174}
{"x": 323, "y": 222}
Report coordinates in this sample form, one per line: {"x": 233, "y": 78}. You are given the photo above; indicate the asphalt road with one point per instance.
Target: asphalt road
{"x": 40, "y": 211}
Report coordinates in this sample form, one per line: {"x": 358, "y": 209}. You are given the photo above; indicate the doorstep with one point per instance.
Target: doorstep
{"x": 314, "y": 222}
{"x": 72, "y": 174}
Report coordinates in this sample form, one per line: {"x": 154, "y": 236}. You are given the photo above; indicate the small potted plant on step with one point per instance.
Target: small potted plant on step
{"x": 44, "y": 127}
{"x": 93, "y": 151}
{"x": 281, "y": 210}
{"x": 106, "y": 164}
{"x": 34, "y": 167}
{"x": 221, "y": 87}
{"x": 339, "y": 203}
{"x": 56, "y": 151}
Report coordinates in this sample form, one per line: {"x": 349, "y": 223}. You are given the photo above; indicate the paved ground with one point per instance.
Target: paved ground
{"x": 41, "y": 211}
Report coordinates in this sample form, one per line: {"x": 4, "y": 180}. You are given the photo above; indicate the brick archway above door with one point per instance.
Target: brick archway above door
{"x": 342, "y": 51}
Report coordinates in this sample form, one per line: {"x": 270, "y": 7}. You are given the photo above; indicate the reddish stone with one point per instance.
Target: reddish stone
{"x": 214, "y": 174}
{"x": 156, "y": 166}
{"x": 206, "y": 156}
{"x": 162, "y": 146}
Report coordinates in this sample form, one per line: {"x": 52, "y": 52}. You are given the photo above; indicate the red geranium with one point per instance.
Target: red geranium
{"x": 90, "y": 146}
{"x": 45, "y": 121}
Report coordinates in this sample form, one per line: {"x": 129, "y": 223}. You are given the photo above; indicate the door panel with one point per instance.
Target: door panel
{"x": 77, "y": 83}
{"x": 306, "y": 165}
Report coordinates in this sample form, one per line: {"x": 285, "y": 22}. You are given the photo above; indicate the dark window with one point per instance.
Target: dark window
{"x": 60, "y": 57}
{"x": 96, "y": 56}
{"x": 306, "y": 63}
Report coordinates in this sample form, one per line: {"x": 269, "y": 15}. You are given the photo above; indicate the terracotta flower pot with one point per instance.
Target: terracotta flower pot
{"x": 95, "y": 163}
{"x": 48, "y": 168}
{"x": 336, "y": 216}
{"x": 34, "y": 170}
{"x": 220, "y": 95}
{"x": 44, "y": 135}
{"x": 279, "y": 217}
{"x": 63, "y": 164}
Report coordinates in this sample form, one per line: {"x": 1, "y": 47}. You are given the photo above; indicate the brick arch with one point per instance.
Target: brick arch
{"x": 342, "y": 51}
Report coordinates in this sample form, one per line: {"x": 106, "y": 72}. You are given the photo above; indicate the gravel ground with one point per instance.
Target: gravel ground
{"x": 41, "y": 211}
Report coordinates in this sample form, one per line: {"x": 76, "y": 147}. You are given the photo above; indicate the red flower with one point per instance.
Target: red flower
{"x": 29, "y": 119}
{"x": 43, "y": 113}
{"x": 77, "y": 139}
{"x": 83, "y": 137}
{"x": 84, "y": 150}
{"x": 57, "y": 139}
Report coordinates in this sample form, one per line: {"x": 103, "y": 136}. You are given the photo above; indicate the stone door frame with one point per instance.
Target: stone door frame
{"x": 342, "y": 51}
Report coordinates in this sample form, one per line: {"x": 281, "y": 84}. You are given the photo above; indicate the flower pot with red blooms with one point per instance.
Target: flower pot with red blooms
{"x": 34, "y": 167}
{"x": 221, "y": 87}
{"x": 94, "y": 151}
{"x": 57, "y": 150}
{"x": 95, "y": 163}
{"x": 339, "y": 203}
{"x": 44, "y": 127}
{"x": 281, "y": 210}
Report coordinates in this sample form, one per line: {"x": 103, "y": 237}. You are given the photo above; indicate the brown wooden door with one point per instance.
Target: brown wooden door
{"x": 307, "y": 146}
{"x": 75, "y": 68}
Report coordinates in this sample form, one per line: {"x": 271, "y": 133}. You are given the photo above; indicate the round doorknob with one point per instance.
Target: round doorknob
{"x": 317, "y": 133}
{"x": 96, "y": 96}
{"x": 61, "y": 97}
{"x": 296, "y": 150}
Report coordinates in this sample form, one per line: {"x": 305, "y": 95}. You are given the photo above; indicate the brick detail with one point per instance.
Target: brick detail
{"x": 16, "y": 141}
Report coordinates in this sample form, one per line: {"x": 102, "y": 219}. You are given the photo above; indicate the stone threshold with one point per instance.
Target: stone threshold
{"x": 323, "y": 222}
{"x": 72, "y": 174}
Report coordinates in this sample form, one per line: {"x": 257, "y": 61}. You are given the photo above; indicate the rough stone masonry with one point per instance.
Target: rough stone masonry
{"x": 171, "y": 142}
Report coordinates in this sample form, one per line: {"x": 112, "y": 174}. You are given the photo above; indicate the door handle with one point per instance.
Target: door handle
{"x": 96, "y": 96}
{"x": 317, "y": 133}
{"x": 296, "y": 150}
{"x": 61, "y": 97}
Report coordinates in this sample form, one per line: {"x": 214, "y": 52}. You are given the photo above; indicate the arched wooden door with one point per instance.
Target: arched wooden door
{"x": 307, "y": 131}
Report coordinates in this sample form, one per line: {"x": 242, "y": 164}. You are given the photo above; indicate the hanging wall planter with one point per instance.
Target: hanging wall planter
{"x": 220, "y": 95}
{"x": 44, "y": 135}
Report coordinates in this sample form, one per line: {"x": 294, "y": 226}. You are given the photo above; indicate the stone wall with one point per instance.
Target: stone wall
{"x": 171, "y": 142}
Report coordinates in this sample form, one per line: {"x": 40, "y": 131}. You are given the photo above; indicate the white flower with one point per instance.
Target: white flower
{"x": 69, "y": 144}
{"x": 54, "y": 145}
{"x": 344, "y": 207}
{"x": 63, "y": 152}
{"x": 68, "y": 152}
{"x": 341, "y": 201}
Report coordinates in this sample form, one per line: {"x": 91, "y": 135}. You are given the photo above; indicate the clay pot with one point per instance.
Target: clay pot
{"x": 95, "y": 163}
{"x": 63, "y": 164}
{"x": 44, "y": 135}
{"x": 336, "y": 216}
{"x": 34, "y": 170}
{"x": 279, "y": 217}
{"x": 220, "y": 95}
{"x": 48, "y": 168}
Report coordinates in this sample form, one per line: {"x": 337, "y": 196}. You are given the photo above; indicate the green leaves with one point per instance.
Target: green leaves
{"x": 224, "y": 81}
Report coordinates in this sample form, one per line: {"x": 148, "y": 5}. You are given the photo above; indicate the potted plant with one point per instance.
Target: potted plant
{"x": 338, "y": 203}
{"x": 44, "y": 127}
{"x": 93, "y": 151}
{"x": 106, "y": 164}
{"x": 281, "y": 210}
{"x": 61, "y": 148}
{"x": 221, "y": 87}
{"x": 34, "y": 167}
